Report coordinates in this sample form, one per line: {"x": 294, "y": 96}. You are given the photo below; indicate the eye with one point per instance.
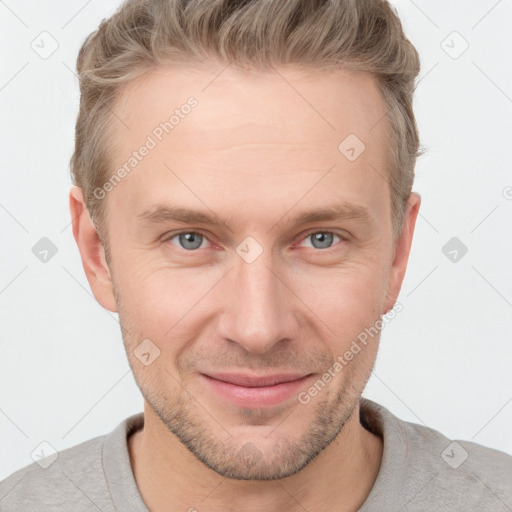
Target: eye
{"x": 188, "y": 240}
{"x": 192, "y": 240}
{"x": 322, "y": 239}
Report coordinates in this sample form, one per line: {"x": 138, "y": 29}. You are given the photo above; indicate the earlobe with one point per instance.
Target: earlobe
{"x": 91, "y": 250}
{"x": 402, "y": 251}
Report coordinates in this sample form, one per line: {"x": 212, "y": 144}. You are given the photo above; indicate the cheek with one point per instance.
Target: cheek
{"x": 347, "y": 300}
{"x": 162, "y": 302}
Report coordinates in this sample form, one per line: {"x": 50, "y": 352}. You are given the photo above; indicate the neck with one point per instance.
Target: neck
{"x": 170, "y": 477}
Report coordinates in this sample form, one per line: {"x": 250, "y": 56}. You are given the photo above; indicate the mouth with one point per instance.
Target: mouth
{"x": 252, "y": 391}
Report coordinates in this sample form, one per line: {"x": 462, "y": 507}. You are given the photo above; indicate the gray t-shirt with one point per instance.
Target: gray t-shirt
{"x": 421, "y": 470}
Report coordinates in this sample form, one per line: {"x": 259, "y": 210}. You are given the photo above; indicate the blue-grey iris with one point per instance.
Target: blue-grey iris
{"x": 323, "y": 238}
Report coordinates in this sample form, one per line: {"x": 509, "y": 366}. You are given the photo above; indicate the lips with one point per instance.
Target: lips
{"x": 251, "y": 381}
{"x": 249, "y": 391}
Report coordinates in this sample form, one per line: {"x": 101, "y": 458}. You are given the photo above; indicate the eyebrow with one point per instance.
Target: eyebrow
{"x": 346, "y": 211}
{"x": 162, "y": 213}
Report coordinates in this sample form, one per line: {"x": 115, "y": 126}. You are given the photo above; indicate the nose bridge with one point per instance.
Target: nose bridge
{"x": 260, "y": 312}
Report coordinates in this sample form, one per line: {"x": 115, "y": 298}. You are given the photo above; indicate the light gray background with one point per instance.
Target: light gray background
{"x": 444, "y": 361}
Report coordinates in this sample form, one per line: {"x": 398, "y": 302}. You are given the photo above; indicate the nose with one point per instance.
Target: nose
{"x": 260, "y": 311}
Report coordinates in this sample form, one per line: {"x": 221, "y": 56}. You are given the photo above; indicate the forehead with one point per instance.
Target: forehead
{"x": 280, "y": 105}
{"x": 256, "y": 132}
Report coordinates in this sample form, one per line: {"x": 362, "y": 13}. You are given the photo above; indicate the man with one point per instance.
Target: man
{"x": 243, "y": 176}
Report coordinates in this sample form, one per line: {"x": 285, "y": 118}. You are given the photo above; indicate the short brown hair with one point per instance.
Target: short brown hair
{"x": 363, "y": 35}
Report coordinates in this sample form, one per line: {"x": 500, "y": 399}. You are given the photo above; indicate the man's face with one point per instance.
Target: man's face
{"x": 257, "y": 294}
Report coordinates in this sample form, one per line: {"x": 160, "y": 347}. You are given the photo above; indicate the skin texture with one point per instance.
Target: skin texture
{"x": 258, "y": 149}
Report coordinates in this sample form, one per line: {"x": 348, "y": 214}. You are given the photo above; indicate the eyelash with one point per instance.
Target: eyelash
{"x": 169, "y": 237}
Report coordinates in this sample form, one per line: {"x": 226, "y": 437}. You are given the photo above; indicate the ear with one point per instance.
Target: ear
{"x": 402, "y": 250}
{"x": 91, "y": 251}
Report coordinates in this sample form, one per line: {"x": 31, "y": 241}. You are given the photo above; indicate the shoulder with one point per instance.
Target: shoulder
{"x": 72, "y": 477}
{"x": 463, "y": 472}
{"x": 426, "y": 470}
{"x": 88, "y": 476}
{"x": 457, "y": 458}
